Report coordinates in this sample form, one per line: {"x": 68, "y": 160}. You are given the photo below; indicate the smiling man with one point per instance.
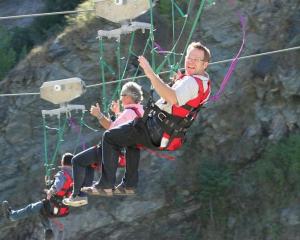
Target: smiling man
{"x": 164, "y": 123}
{"x": 188, "y": 85}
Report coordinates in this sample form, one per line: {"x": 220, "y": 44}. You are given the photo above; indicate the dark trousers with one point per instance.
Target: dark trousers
{"x": 83, "y": 173}
{"x": 128, "y": 136}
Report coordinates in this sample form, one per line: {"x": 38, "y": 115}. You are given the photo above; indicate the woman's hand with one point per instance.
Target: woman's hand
{"x": 95, "y": 110}
{"x": 115, "y": 107}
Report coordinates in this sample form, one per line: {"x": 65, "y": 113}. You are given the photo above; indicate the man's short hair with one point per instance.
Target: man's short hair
{"x": 66, "y": 159}
{"x": 200, "y": 46}
{"x": 133, "y": 90}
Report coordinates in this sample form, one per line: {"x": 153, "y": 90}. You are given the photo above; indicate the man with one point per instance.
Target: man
{"x": 163, "y": 126}
{"x": 51, "y": 206}
{"x": 131, "y": 96}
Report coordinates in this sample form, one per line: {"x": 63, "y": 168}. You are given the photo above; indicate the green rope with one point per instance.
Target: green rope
{"x": 177, "y": 66}
{"x": 80, "y": 133}
{"x": 152, "y": 35}
{"x": 178, "y": 8}
{"x": 121, "y": 77}
{"x": 173, "y": 33}
{"x": 193, "y": 29}
{"x": 118, "y": 56}
{"x": 158, "y": 70}
{"x": 143, "y": 53}
{"x": 87, "y": 126}
{"x": 129, "y": 53}
{"x": 102, "y": 74}
{"x": 109, "y": 68}
{"x": 45, "y": 147}
{"x": 60, "y": 136}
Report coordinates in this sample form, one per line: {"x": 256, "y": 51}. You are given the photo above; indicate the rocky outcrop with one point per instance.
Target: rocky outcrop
{"x": 260, "y": 104}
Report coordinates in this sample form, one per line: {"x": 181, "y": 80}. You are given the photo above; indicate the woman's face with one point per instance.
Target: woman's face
{"x": 126, "y": 99}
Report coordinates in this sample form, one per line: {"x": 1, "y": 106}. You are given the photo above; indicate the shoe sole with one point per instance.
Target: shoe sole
{"x": 76, "y": 204}
{"x": 95, "y": 192}
{"x": 123, "y": 194}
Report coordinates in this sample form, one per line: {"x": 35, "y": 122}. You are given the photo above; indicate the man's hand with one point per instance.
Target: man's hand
{"x": 49, "y": 193}
{"x": 144, "y": 64}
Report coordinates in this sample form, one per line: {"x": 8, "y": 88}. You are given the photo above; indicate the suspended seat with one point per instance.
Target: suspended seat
{"x": 61, "y": 92}
{"x": 121, "y": 10}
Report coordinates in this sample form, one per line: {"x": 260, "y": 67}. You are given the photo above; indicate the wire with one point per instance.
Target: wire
{"x": 17, "y": 94}
{"x": 164, "y": 72}
{"x": 258, "y": 55}
{"x": 46, "y": 14}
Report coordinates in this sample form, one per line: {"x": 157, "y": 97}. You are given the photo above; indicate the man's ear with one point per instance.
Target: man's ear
{"x": 205, "y": 65}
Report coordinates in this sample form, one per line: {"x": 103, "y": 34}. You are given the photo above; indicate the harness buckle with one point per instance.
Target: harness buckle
{"x": 161, "y": 116}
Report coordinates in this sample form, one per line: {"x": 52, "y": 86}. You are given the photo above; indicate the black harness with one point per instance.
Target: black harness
{"x": 173, "y": 126}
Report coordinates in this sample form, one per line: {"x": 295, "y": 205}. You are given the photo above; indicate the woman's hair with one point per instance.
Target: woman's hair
{"x": 133, "y": 90}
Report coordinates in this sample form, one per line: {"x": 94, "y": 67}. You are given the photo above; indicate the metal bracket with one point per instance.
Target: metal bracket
{"x": 124, "y": 29}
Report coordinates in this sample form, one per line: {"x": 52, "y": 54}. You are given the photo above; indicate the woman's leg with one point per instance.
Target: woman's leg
{"x": 80, "y": 163}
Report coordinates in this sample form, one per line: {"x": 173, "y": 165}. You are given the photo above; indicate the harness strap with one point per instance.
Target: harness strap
{"x": 136, "y": 111}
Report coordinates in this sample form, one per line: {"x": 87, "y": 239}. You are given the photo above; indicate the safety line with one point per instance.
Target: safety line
{"x": 46, "y": 14}
{"x": 164, "y": 72}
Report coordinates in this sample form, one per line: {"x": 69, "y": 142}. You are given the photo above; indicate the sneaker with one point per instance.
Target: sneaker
{"x": 49, "y": 235}
{"x": 76, "y": 201}
{"x": 6, "y": 210}
{"x": 93, "y": 190}
{"x": 121, "y": 190}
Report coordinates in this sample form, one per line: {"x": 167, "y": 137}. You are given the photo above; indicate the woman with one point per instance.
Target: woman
{"x": 82, "y": 163}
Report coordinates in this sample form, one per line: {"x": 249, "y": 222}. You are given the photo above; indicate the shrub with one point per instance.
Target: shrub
{"x": 215, "y": 181}
{"x": 15, "y": 44}
{"x": 7, "y": 53}
{"x": 278, "y": 169}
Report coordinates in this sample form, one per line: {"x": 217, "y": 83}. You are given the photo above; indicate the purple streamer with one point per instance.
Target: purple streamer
{"x": 233, "y": 63}
{"x": 76, "y": 128}
{"x": 159, "y": 48}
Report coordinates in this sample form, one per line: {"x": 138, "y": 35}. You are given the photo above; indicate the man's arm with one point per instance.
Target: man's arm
{"x": 163, "y": 90}
{"x": 57, "y": 185}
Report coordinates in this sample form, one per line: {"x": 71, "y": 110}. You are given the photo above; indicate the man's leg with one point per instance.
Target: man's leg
{"x": 30, "y": 210}
{"x": 83, "y": 175}
{"x": 89, "y": 176}
{"x": 80, "y": 163}
{"x": 127, "y": 135}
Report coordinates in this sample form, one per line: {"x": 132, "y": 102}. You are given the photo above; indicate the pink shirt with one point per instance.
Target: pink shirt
{"x": 127, "y": 115}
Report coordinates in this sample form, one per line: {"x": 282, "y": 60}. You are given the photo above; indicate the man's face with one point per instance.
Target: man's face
{"x": 194, "y": 64}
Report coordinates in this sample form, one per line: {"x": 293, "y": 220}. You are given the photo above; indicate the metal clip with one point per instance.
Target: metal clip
{"x": 161, "y": 116}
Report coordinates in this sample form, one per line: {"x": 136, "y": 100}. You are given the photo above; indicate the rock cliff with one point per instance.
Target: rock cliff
{"x": 260, "y": 105}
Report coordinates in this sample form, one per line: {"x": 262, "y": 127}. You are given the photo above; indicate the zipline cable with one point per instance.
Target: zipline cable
{"x": 46, "y": 14}
{"x": 165, "y": 72}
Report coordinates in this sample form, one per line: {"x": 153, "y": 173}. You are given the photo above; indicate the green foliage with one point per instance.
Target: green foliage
{"x": 21, "y": 41}
{"x": 7, "y": 53}
{"x": 215, "y": 181}
{"x": 278, "y": 169}
{"x": 46, "y": 26}
{"x": 15, "y": 44}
